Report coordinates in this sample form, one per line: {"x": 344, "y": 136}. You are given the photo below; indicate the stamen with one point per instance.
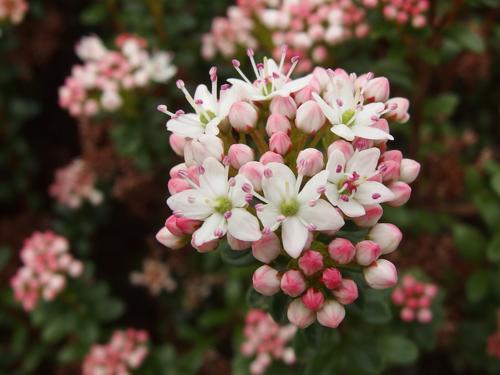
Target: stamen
{"x": 218, "y": 233}
{"x": 236, "y": 65}
{"x": 227, "y": 214}
{"x": 232, "y": 182}
{"x": 294, "y": 60}
{"x": 344, "y": 197}
{"x": 259, "y": 207}
{"x": 321, "y": 189}
{"x": 280, "y": 218}
{"x": 268, "y": 173}
{"x": 246, "y": 187}
{"x": 376, "y": 196}
{"x": 163, "y": 109}
{"x": 312, "y": 227}
{"x": 200, "y": 170}
{"x": 250, "y": 54}
{"x": 338, "y": 169}
{"x": 266, "y": 230}
{"x": 284, "y": 49}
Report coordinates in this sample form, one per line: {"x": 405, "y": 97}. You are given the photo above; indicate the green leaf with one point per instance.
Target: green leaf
{"x": 398, "y": 350}
{"x": 238, "y": 258}
{"x": 467, "y": 38}
{"x": 470, "y": 242}
{"x": 441, "y": 106}
{"x": 476, "y": 286}
{"x": 495, "y": 183}
{"x": 493, "y": 250}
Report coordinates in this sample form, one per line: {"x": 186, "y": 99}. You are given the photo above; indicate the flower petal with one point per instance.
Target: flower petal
{"x": 343, "y": 131}
{"x": 268, "y": 216}
{"x": 370, "y": 132}
{"x": 187, "y": 125}
{"x": 310, "y": 190}
{"x": 369, "y": 111}
{"x": 243, "y": 226}
{"x": 329, "y": 112}
{"x": 322, "y": 215}
{"x": 294, "y": 85}
{"x": 351, "y": 208}
{"x": 209, "y": 102}
{"x": 332, "y": 193}
{"x": 294, "y": 235}
{"x": 370, "y": 189}
{"x": 364, "y": 162}
{"x": 214, "y": 178}
{"x": 335, "y": 165}
{"x": 206, "y": 232}
{"x": 280, "y": 185}
{"x": 236, "y": 193}
{"x": 191, "y": 204}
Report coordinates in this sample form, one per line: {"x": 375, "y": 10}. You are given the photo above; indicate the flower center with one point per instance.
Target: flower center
{"x": 347, "y": 116}
{"x": 290, "y": 207}
{"x": 206, "y": 117}
{"x": 223, "y": 205}
{"x": 349, "y": 184}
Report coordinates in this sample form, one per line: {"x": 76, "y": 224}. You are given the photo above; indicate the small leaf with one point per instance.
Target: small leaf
{"x": 398, "y": 350}
{"x": 469, "y": 241}
{"x": 476, "y": 286}
{"x": 493, "y": 250}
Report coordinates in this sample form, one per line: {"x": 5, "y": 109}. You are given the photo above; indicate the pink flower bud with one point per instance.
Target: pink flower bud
{"x": 381, "y": 274}
{"x": 424, "y": 302}
{"x": 322, "y": 77}
{"x": 267, "y": 248}
{"x": 377, "y": 90}
{"x": 236, "y": 244}
{"x": 347, "y": 292}
{"x": 243, "y": 116}
{"x": 407, "y": 314}
{"x": 382, "y": 124}
{"x": 171, "y": 224}
{"x": 367, "y": 252}
{"x": 280, "y": 143}
{"x": 254, "y": 172}
{"x": 310, "y": 117}
{"x": 402, "y": 192}
{"x": 75, "y": 268}
{"x": 205, "y": 247}
{"x": 389, "y": 170}
{"x": 394, "y": 155}
{"x": 387, "y": 236}
{"x": 331, "y": 278}
{"x": 343, "y": 146}
{"x": 197, "y": 151}
{"x": 266, "y": 280}
{"x": 431, "y": 290}
{"x": 277, "y": 123}
{"x": 187, "y": 226}
{"x": 313, "y": 299}
{"x": 372, "y": 215}
{"x": 300, "y": 315}
{"x": 398, "y": 110}
{"x": 271, "y": 157}
{"x": 310, "y": 162}
{"x": 424, "y": 316}
{"x": 284, "y": 105}
{"x": 331, "y": 314}
{"x": 176, "y": 185}
{"x": 304, "y": 95}
{"x": 409, "y": 170}
{"x": 311, "y": 262}
{"x": 361, "y": 144}
{"x": 341, "y": 250}
{"x": 177, "y": 143}
{"x": 398, "y": 297}
{"x": 239, "y": 154}
{"x": 293, "y": 283}
{"x": 166, "y": 238}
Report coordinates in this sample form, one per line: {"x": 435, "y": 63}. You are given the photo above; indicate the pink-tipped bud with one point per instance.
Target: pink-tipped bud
{"x": 180, "y": 226}
{"x": 236, "y": 244}
{"x": 398, "y": 110}
{"x": 341, "y": 250}
{"x": 266, "y": 280}
{"x": 267, "y": 248}
{"x": 277, "y": 123}
{"x": 304, "y": 95}
{"x": 322, "y": 77}
{"x": 311, "y": 262}
{"x": 313, "y": 299}
{"x": 347, "y": 292}
{"x": 367, "y": 252}
{"x": 424, "y": 316}
{"x": 407, "y": 314}
{"x": 409, "y": 170}
{"x": 271, "y": 157}
{"x": 331, "y": 314}
{"x": 310, "y": 162}
{"x": 343, "y": 146}
{"x": 177, "y": 143}
{"x": 382, "y": 124}
{"x": 381, "y": 274}
{"x": 253, "y": 171}
{"x": 331, "y": 278}
{"x": 239, "y": 154}
{"x": 280, "y": 143}
{"x": 300, "y": 315}
{"x": 284, "y": 105}
{"x": 171, "y": 224}
{"x": 243, "y": 116}
{"x": 167, "y": 239}
{"x": 176, "y": 185}
{"x": 361, "y": 144}
{"x": 372, "y": 215}
{"x": 293, "y": 283}
{"x": 205, "y": 247}
{"x": 377, "y": 90}
{"x": 389, "y": 170}
{"x": 310, "y": 117}
{"x": 387, "y": 236}
{"x": 394, "y": 155}
{"x": 401, "y": 191}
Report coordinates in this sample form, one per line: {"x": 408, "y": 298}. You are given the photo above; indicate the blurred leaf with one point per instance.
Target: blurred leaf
{"x": 476, "y": 286}
{"x": 441, "y": 106}
{"x": 493, "y": 250}
{"x": 495, "y": 183}
{"x": 469, "y": 241}
{"x": 238, "y": 258}
{"x": 398, "y": 350}
{"x": 4, "y": 256}
{"x": 467, "y": 38}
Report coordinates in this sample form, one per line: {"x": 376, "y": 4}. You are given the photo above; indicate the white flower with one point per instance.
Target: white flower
{"x": 220, "y": 203}
{"x": 210, "y": 109}
{"x": 298, "y": 211}
{"x": 343, "y": 107}
{"x": 349, "y": 187}
{"x": 91, "y": 48}
{"x": 160, "y": 67}
{"x": 270, "y": 79}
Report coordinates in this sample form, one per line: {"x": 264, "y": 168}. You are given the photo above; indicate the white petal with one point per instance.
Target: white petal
{"x": 206, "y": 232}
{"x": 244, "y": 88}
{"x": 212, "y": 128}
{"x": 364, "y": 117}
{"x": 295, "y": 85}
{"x": 329, "y": 112}
{"x": 267, "y": 215}
{"x": 243, "y": 226}
{"x": 228, "y": 98}
{"x": 236, "y": 193}
{"x": 351, "y": 208}
{"x": 187, "y": 125}
{"x": 369, "y": 132}
{"x": 335, "y": 160}
{"x": 209, "y": 102}
{"x": 364, "y": 162}
{"x": 343, "y": 131}
{"x": 214, "y": 179}
{"x": 332, "y": 193}
{"x": 294, "y": 235}
{"x": 366, "y": 191}
{"x": 323, "y": 215}
{"x": 310, "y": 190}
{"x": 191, "y": 204}
{"x": 281, "y": 185}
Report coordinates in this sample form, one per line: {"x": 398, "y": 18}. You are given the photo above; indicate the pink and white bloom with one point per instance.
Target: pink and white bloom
{"x": 218, "y": 202}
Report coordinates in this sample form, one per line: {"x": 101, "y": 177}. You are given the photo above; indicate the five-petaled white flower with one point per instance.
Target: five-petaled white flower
{"x": 298, "y": 211}
{"x": 219, "y": 202}
{"x": 349, "y": 187}
{"x": 343, "y": 106}
{"x": 270, "y": 81}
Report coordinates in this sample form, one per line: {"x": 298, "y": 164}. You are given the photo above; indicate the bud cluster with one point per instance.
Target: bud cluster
{"x": 124, "y": 352}
{"x": 402, "y": 11}
{"x": 267, "y": 341}
{"x": 46, "y": 265}
{"x": 107, "y": 75}
{"x": 279, "y": 166}
{"x": 414, "y": 298}
{"x": 13, "y": 11}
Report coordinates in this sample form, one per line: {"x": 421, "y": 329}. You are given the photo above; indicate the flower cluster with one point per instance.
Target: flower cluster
{"x": 266, "y": 340}
{"x": 280, "y": 165}
{"x": 414, "y": 298}
{"x": 124, "y": 352}
{"x": 74, "y": 184}
{"x": 46, "y": 266}
{"x": 155, "y": 276}
{"x": 403, "y": 11}
{"x": 106, "y": 76}
{"x": 309, "y": 27}
{"x": 13, "y": 10}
